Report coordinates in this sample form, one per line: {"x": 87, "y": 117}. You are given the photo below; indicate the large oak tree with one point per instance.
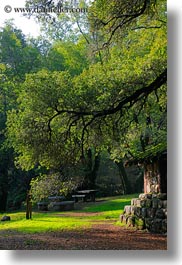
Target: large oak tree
{"x": 118, "y": 103}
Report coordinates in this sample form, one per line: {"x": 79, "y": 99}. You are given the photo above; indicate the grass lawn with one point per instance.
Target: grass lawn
{"x": 41, "y": 222}
{"x": 109, "y": 208}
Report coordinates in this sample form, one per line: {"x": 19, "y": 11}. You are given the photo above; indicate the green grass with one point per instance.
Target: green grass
{"x": 110, "y": 208}
{"x": 42, "y": 222}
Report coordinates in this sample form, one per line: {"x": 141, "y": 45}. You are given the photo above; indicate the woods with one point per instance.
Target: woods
{"x": 93, "y": 86}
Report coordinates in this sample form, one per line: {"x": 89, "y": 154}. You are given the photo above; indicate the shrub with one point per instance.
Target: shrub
{"x": 50, "y": 185}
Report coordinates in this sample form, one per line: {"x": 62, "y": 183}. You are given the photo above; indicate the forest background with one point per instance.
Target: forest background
{"x": 89, "y": 94}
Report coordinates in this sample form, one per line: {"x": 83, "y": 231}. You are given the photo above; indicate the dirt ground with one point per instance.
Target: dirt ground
{"x": 101, "y": 236}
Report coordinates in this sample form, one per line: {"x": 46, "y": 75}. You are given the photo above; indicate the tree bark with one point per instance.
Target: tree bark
{"x": 92, "y": 163}
{"x": 3, "y": 200}
{"x": 124, "y": 178}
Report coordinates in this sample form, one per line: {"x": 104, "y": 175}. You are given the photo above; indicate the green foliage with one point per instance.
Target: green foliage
{"x": 37, "y": 122}
{"x": 113, "y": 20}
{"x": 104, "y": 89}
{"x": 66, "y": 56}
{"x": 44, "y": 186}
{"x": 48, "y": 102}
{"x": 67, "y": 26}
{"x": 18, "y": 57}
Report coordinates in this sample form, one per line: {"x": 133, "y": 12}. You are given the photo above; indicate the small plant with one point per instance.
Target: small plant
{"x": 139, "y": 222}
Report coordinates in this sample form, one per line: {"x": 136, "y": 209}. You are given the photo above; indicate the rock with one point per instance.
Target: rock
{"x": 159, "y": 214}
{"x": 144, "y": 212}
{"x": 162, "y": 196}
{"x": 131, "y": 221}
{"x": 148, "y": 223}
{"x": 127, "y": 209}
{"x": 138, "y": 211}
{"x": 145, "y": 196}
{"x": 154, "y": 195}
{"x": 148, "y": 203}
{"x": 138, "y": 203}
{"x": 142, "y": 196}
{"x": 125, "y": 218}
{"x": 149, "y": 196}
{"x": 121, "y": 218}
{"x": 143, "y": 203}
{"x": 156, "y": 225}
{"x": 165, "y": 213}
{"x": 134, "y": 201}
{"x": 133, "y": 209}
{"x": 6, "y": 218}
{"x": 155, "y": 203}
{"x": 151, "y": 212}
{"x": 164, "y": 226}
{"x": 148, "y": 211}
{"x": 165, "y": 204}
{"x": 160, "y": 204}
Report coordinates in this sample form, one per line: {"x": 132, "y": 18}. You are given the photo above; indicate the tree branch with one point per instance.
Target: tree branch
{"x": 131, "y": 99}
{"x": 136, "y": 96}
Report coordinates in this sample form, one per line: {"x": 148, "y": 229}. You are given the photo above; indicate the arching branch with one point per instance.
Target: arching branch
{"x": 128, "y": 101}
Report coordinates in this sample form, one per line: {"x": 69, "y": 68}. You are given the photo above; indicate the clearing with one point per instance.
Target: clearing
{"x": 91, "y": 226}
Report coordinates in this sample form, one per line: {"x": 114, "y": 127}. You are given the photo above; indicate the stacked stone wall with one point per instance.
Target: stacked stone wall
{"x": 149, "y": 211}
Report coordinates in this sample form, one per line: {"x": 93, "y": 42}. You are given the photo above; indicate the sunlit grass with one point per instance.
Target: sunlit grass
{"x": 45, "y": 222}
{"x": 110, "y": 208}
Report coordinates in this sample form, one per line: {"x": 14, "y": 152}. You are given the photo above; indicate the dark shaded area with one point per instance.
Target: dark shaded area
{"x": 163, "y": 172}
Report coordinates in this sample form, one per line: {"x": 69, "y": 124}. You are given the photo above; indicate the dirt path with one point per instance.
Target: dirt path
{"x": 101, "y": 236}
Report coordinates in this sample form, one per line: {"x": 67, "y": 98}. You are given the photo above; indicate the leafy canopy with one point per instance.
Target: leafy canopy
{"x": 118, "y": 104}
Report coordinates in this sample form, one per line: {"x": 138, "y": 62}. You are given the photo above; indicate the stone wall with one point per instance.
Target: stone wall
{"x": 149, "y": 211}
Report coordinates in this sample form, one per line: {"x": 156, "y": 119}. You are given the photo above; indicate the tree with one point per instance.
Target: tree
{"x": 110, "y": 105}
{"x": 115, "y": 19}
{"x": 67, "y": 56}
{"x": 61, "y": 20}
{"x": 16, "y": 58}
{"x": 90, "y": 164}
{"x": 6, "y": 101}
{"x": 52, "y": 184}
{"x": 42, "y": 93}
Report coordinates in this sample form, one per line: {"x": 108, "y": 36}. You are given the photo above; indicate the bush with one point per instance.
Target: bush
{"x": 50, "y": 185}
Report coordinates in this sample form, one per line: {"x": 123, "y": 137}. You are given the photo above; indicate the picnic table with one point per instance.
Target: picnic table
{"x": 85, "y": 195}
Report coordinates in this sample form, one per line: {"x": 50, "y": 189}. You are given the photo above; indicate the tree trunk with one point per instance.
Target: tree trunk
{"x": 93, "y": 173}
{"x": 155, "y": 175}
{"x": 92, "y": 163}
{"x": 3, "y": 200}
{"x": 3, "y": 187}
{"x": 124, "y": 178}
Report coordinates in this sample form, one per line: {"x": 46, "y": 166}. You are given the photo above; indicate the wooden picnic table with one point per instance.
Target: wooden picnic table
{"x": 85, "y": 195}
